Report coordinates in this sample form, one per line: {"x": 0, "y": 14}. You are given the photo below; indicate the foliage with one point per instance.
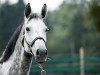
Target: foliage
{"x": 61, "y": 27}
{"x": 94, "y": 13}
{"x": 70, "y": 27}
{"x": 10, "y": 17}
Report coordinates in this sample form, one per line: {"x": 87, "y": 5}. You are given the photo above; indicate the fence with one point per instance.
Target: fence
{"x": 70, "y": 65}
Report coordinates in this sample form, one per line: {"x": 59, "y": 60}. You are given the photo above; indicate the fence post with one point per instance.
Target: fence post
{"x": 82, "y": 61}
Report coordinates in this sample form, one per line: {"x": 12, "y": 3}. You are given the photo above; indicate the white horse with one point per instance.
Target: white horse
{"x": 28, "y": 40}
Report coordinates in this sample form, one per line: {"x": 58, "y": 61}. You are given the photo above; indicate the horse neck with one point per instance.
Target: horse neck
{"x": 21, "y": 58}
{"x": 26, "y": 58}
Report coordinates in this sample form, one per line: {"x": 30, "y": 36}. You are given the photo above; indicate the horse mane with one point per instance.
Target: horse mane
{"x": 11, "y": 45}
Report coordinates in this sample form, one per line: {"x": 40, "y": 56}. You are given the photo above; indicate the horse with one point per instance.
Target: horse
{"x": 28, "y": 41}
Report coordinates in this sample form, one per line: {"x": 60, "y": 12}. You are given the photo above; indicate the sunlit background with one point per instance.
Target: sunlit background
{"x": 74, "y": 37}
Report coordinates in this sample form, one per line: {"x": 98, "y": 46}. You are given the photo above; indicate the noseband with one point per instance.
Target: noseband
{"x": 37, "y": 38}
{"x": 32, "y": 43}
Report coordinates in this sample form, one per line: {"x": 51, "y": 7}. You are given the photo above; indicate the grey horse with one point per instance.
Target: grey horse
{"x": 28, "y": 41}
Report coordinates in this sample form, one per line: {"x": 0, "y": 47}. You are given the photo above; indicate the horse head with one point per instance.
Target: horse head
{"x": 35, "y": 33}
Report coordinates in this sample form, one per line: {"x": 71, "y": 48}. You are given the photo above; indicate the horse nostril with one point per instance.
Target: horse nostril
{"x": 41, "y": 52}
{"x": 46, "y": 52}
{"x": 37, "y": 53}
{"x": 27, "y": 29}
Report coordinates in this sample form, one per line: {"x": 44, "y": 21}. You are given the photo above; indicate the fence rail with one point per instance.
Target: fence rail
{"x": 88, "y": 68}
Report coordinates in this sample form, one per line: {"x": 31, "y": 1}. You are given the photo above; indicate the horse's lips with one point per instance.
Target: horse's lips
{"x": 40, "y": 59}
{"x": 39, "y": 62}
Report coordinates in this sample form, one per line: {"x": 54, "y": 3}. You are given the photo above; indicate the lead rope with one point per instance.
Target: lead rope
{"x": 43, "y": 72}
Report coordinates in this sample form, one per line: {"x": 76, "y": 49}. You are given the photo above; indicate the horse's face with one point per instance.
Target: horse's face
{"x": 35, "y": 33}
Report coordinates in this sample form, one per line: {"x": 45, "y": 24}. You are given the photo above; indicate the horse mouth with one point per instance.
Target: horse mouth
{"x": 40, "y": 60}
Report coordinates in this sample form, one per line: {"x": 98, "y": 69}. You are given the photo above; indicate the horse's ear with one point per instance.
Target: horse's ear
{"x": 27, "y": 10}
{"x": 44, "y": 11}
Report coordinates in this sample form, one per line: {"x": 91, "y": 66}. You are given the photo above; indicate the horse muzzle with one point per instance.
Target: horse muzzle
{"x": 39, "y": 50}
{"x": 41, "y": 55}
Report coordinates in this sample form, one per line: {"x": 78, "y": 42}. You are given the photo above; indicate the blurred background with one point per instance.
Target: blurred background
{"x": 73, "y": 40}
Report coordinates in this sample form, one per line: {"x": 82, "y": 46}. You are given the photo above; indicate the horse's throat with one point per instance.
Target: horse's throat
{"x": 26, "y": 63}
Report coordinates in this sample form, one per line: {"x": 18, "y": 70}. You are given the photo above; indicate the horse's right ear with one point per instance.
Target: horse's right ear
{"x": 27, "y": 10}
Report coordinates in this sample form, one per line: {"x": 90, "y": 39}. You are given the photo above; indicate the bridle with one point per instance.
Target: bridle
{"x": 37, "y": 38}
{"x": 32, "y": 43}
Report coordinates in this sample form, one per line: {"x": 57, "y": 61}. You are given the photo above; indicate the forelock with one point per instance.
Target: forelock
{"x": 33, "y": 16}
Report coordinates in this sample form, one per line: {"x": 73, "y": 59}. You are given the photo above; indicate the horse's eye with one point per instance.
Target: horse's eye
{"x": 46, "y": 30}
{"x": 27, "y": 29}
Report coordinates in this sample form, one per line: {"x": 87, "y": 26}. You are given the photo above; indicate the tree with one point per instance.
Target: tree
{"x": 10, "y": 17}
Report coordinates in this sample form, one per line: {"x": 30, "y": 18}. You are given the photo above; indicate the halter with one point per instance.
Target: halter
{"x": 32, "y": 43}
{"x": 43, "y": 72}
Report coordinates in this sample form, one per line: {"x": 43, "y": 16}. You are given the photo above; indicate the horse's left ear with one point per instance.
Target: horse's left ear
{"x": 44, "y": 11}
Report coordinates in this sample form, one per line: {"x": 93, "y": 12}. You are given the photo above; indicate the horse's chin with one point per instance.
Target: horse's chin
{"x": 40, "y": 61}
